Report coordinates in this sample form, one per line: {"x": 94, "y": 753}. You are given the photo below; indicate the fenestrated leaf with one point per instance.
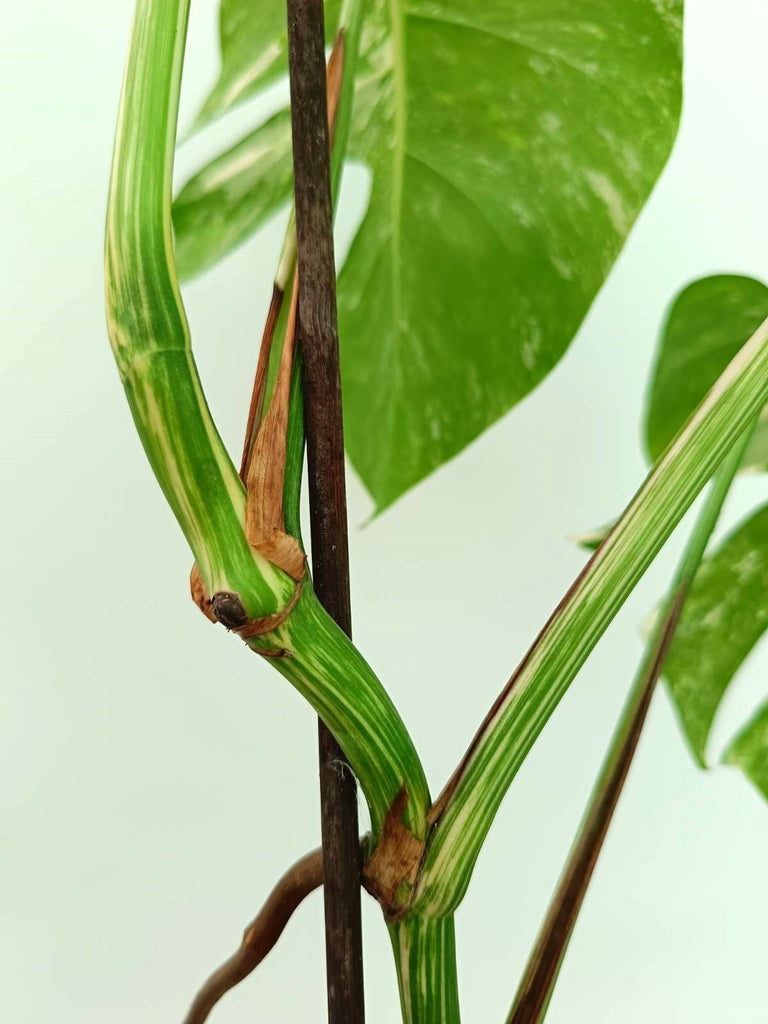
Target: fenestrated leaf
{"x": 725, "y": 615}
{"x": 749, "y": 751}
{"x": 512, "y": 146}
{"x": 231, "y": 197}
{"x": 253, "y": 38}
{"x": 706, "y": 325}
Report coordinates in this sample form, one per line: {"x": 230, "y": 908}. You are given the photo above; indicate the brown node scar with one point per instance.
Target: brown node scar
{"x": 227, "y": 608}
{"x": 395, "y": 861}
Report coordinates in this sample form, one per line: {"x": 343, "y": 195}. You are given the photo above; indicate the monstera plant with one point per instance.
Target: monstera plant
{"x": 510, "y": 148}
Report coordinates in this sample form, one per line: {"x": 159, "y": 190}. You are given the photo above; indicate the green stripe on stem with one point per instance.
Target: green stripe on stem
{"x": 540, "y": 976}
{"x": 148, "y": 327}
{"x": 150, "y": 338}
{"x": 357, "y": 710}
{"x": 468, "y": 805}
{"x": 425, "y": 955}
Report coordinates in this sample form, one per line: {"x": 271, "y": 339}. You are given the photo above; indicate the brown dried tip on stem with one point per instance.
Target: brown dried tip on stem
{"x": 260, "y": 380}
{"x": 263, "y": 463}
{"x": 265, "y": 476}
{"x": 260, "y": 935}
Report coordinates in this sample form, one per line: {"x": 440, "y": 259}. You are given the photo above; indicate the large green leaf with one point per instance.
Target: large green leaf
{"x": 749, "y": 751}
{"x": 511, "y": 147}
{"x": 725, "y": 615}
{"x": 706, "y": 325}
{"x": 232, "y": 196}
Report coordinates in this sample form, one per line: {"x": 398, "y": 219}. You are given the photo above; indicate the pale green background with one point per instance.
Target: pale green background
{"x": 157, "y": 778}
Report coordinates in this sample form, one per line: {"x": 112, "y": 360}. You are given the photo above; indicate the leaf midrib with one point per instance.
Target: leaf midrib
{"x": 397, "y": 21}
{"x": 398, "y": 170}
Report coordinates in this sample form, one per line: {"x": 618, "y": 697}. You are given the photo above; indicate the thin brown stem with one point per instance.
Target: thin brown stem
{"x": 537, "y": 985}
{"x": 547, "y": 956}
{"x": 260, "y": 935}
{"x": 318, "y": 337}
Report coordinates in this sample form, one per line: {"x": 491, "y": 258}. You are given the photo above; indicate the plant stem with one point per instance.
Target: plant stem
{"x": 538, "y": 982}
{"x": 425, "y": 956}
{"x": 464, "y": 812}
{"x": 150, "y": 338}
{"x": 317, "y": 333}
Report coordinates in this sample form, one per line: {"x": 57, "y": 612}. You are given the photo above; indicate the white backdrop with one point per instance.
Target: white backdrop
{"x": 157, "y": 778}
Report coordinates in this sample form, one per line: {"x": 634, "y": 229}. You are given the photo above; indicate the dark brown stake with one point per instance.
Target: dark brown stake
{"x": 317, "y": 334}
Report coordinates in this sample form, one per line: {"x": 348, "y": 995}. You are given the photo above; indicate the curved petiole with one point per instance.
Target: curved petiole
{"x": 150, "y": 337}
{"x": 541, "y": 972}
{"x": 465, "y": 810}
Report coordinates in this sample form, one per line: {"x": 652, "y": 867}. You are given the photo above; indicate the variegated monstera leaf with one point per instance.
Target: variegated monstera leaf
{"x": 511, "y": 147}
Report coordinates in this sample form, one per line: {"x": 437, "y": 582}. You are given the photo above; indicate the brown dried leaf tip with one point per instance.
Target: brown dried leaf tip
{"x": 264, "y": 453}
{"x": 391, "y": 872}
{"x": 265, "y": 468}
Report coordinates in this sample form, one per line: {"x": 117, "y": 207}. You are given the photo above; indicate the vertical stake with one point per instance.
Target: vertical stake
{"x": 317, "y": 333}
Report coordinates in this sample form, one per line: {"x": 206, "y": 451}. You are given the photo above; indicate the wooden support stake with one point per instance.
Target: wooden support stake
{"x": 318, "y": 337}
